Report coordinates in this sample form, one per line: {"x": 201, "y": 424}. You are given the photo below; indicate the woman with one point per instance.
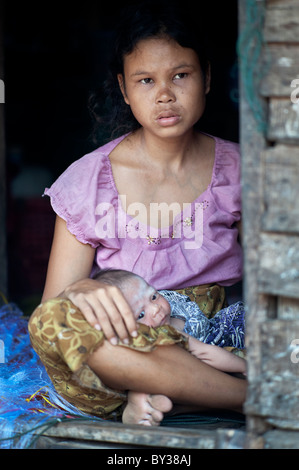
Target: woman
{"x": 162, "y": 78}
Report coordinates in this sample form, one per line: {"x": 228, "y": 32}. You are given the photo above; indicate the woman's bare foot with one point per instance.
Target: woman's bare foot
{"x": 145, "y": 409}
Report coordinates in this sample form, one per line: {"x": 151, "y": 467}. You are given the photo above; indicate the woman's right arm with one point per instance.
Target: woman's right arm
{"x": 103, "y": 306}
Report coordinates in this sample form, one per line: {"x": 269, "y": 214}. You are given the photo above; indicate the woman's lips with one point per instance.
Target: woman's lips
{"x": 168, "y": 118}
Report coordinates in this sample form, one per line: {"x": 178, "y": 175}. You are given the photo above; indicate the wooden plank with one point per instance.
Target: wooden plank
{"x": 281, "y": 4}
{"x": 119, "y": 434}
{"x": 224, "y": 439}
{"x": 280, "y": 352}
{"x": 272, "y": 270}
{"x": 252, "y": 142}
{"x": 275, "y": 393}
{"x": 283, "y": 121}
{"x": 287, "y": 309}
{"x": 282, "y": 24}
{"x": 231, "y": 439}
{"x": 281, "y": 189}
{"x": 279, "y": 265}
{"x": 277, "y": 439}
{"x": 44, "y": 442}
{"x": 281, "y": 71}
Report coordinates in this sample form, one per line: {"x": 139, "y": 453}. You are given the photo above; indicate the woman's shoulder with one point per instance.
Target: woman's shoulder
{"x": 87, "y": 179}
{"x": 79, "y": 190}
{"x": 227, "y": 147}
{"x": 222, "y": 150}
{"x": 98, "y": 158}
{"x": 226, "y": 181}
{"x": 227, "y": 159}
{"x": 90, "y": 167}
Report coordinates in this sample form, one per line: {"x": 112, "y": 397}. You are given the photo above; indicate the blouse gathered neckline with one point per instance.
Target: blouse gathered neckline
{"x": 179, "y": 216}
{"x": 86, "y": 197}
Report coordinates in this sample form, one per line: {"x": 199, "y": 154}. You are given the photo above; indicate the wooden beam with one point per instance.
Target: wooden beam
{"x": 252, "y": 143}
{"x": 283, "y": 120}
{"x": 275, "y": 394}
{"x": 134, "y": 435}
{"x": 279, "y": 264}
{"x": 281, "y": 190}
{"x": 282, "y": 22}
{"x": 281, "y": 75}
{"x": 288, "y": 308}
{"x": 278, "y": 439}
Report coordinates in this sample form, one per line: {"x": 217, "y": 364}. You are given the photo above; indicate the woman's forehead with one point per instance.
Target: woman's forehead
{"x": 153, "y": 52}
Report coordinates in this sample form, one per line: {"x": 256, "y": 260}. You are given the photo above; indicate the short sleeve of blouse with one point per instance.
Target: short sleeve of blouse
{"x": 226, "y": 185}
{"x": 76, "y": 193}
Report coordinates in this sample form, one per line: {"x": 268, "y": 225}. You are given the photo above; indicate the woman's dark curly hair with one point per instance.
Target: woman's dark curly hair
{"x": 149, "y": 19}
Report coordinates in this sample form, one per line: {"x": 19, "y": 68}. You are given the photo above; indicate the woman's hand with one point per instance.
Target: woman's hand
{"x": 104, "y": 307}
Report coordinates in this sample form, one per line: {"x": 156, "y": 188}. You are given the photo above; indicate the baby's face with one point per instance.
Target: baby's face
{"x": 149, "y": 307}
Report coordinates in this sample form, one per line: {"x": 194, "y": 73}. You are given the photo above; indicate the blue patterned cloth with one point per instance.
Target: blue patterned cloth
{"x": 225, "y": 329}
{"x": 28, "y": 401}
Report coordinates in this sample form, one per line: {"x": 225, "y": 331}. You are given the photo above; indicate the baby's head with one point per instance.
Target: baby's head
{"x": 148, "y": 306}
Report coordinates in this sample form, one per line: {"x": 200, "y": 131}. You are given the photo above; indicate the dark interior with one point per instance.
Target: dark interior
{"x": 54, "y": 58}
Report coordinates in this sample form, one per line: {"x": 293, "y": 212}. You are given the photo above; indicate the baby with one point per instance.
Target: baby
{"x": 153, "y": 309}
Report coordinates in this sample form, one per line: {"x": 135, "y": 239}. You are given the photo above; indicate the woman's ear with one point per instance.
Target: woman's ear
{"x": 122, "y": 86}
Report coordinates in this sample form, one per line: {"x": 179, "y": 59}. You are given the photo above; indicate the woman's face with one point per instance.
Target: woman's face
{"x": 164, "y": 85}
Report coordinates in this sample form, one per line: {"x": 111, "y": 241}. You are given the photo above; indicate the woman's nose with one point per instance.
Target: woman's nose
{"x": 165, "y": 95}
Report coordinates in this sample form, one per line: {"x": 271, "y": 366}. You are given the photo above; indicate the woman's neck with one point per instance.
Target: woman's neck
{"x": 168, "y": 153}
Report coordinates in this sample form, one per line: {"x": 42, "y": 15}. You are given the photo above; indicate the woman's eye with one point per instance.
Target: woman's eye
{"x": 146, "y": 81}
{"x": 180, "y": 75}
{"x": 141, "y": 315}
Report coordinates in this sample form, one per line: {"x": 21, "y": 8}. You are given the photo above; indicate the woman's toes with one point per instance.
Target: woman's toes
{"x": 145, "y": 409}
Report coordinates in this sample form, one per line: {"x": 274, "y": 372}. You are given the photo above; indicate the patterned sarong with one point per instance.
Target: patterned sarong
{"x": 64, "y": 340}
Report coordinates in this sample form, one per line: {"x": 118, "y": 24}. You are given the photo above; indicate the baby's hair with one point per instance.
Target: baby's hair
{"x": 145, "y": 20}
{"x": 115, "y": 277}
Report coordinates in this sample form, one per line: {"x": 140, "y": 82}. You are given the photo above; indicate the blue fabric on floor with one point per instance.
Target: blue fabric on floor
{"x": 28, "y": 400}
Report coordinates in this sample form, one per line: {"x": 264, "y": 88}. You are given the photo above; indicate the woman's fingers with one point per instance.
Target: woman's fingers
{"x": 106, "y": 309}
{"x": 117, "y": 311}
{"x": 109, "y": 319}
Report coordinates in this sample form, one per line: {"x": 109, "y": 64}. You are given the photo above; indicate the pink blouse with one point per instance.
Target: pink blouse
{"x": 200, "y": 247}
